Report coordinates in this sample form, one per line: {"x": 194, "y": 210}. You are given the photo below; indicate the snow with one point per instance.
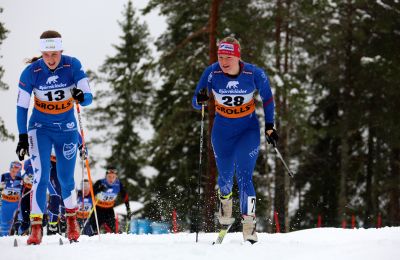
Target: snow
{"x": 133, "y": 205}
{"x": 321, "y": 243}
{"x": 278, "y": 80}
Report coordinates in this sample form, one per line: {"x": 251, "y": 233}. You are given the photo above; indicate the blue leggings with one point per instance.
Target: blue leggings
{"x": 7, "y": 213}
{"x": 65, "y": 145}
{"x": 236, "y": 144}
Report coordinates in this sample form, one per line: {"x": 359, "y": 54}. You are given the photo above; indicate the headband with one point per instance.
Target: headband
{"x": 51, "y": 44}
{"x": 228, "y": 48}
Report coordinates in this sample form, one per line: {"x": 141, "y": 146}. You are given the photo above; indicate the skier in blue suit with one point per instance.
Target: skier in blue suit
{"x": 235, "y": 135}
{"x": 57, "y": 81}
{"x": 10, "y": 186}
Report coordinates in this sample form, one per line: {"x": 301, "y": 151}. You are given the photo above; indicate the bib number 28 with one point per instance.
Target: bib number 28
{"x": 232, "y": 101}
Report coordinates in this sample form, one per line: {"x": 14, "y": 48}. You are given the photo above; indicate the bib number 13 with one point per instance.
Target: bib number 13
{"x": 58, "y": 95}
{"x": 232, "y": 101}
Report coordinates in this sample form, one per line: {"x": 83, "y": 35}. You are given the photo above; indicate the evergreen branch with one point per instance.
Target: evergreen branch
{"x": 189, "y": 38}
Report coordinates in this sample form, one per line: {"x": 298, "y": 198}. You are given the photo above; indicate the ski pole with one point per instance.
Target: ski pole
{"x": 281, "y": 158}
{"x": 78, "y": 110}
{"x": 200, "y": 171}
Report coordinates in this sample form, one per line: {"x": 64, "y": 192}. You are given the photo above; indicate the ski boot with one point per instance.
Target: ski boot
{"x": 36, "y": 235}
{"x": 249, "y": 228}
{"x": 73, "y": 231}
{"x": 225, "y": 210}
{"x": 52, "y": 228}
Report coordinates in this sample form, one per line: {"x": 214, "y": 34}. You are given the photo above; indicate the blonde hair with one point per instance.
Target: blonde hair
{"x": 231, "y": 39}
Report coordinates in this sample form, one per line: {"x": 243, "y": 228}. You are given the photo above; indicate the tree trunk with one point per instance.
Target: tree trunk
{"x": 211, "y": 176}
{"x": 279, "y": 194}
{"x": 345, "y": 126}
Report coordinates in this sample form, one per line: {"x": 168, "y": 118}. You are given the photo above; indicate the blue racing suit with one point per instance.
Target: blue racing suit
{"x": 52, "y": 123}
{"x": 10, "y": 196}
{"x": 235, "y": 135}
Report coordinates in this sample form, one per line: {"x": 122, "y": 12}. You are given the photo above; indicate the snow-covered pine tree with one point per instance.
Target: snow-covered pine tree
{"x": 122, "y": 103}
{"x": 4, "y": 134}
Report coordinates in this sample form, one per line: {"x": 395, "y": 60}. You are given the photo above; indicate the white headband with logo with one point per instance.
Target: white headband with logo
{"x": 51, "y": 44}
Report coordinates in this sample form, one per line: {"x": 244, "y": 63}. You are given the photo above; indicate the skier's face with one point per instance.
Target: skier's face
{"x": 229, "y": 64}
{"x": 52, "y": 58}
{"x": 15, "y": 168}
{"x": 111, "y": 177}
{"x": 86, "y": 189}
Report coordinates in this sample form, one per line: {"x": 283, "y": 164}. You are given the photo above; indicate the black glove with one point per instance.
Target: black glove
{"x": 202, "y": 97}
{"x": 23, "y": 146}
{"x": 77, "y": 94}
{"x": 273, "y": 137}
{"x": 83, "y": 157}
{"x": 103, "y": 187}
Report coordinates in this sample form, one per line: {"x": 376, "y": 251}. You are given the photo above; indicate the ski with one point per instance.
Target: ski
{"x": 222, "y": 233}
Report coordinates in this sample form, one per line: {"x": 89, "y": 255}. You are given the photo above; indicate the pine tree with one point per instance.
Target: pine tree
{"x": 123, "y": 104}
{"x": 4, "y": 134}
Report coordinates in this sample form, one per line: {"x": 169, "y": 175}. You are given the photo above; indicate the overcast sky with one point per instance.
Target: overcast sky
{"x": 88, "y": 29}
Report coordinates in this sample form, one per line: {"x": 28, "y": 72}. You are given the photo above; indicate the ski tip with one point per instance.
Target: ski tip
{"x": 15, "y": 242}
{"x": 73, "y": 241}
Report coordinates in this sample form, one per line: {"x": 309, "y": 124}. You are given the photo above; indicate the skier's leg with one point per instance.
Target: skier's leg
{"x": 40, "y": 149}
{"x": 24, "y": 215}
{"x": 246, "y": 157}
{"x": 65, "y": 147}
{"x": 7, "y": 214}
{"x": 223, "y": 146}
{"x": 110, "y": 220}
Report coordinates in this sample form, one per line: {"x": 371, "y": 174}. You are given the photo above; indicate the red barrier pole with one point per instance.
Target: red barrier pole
{"x": 174, "y": 222}
{"x": 379, "y": 221}
{"x": 278, "y": 227}
{"x": 319, "y": 223}
{"x": 344, "y": 224}
{"x": 353, "y": 221}
{"x": 116, "y": 224}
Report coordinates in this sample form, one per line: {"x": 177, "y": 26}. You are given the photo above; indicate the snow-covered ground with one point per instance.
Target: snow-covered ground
{"x": 321, "y": 244}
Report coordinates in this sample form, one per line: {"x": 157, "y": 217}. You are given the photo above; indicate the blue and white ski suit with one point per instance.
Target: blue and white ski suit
{"x": 235, "y": 135}
{"x": 52, "y": 123}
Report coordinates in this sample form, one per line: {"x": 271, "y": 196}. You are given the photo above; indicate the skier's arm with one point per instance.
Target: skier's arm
{"x": 203, "y": 84}
{"x": 262, "y": 84}
{"x": 98, "y": 187}
{"x": 2, "y": 182}
{"x": 82, "y": 82}
{"x": 264, "y": 89}
{"x": 125, "y": 197}
{"x": 23, "y": 101}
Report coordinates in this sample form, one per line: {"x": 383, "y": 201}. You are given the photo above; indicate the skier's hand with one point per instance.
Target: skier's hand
{"x": 103, "y": 187}
{"x": 81, "y": 154}
{"x": 28, "y": 178}
{"x": 77, "y": 94}
{"x": 2, "y": 185}
{"x": 271, "y": 134}
{"x": 202, "y": 97}
{"x": 22, "y": 147}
